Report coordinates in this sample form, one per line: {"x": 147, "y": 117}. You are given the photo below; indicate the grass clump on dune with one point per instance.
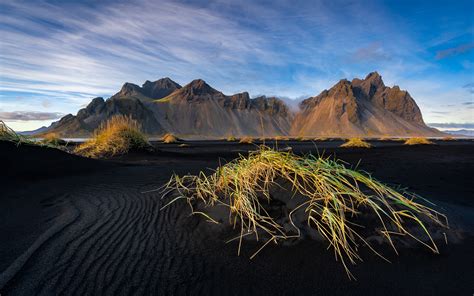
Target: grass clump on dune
{"x": 119, "y": 135}
{"x": 231, "y": 139}
{"x": 448, "y": 138}
{"x": 53, "y": 139}
{"x": 246, "y": 140}
{"x": 356, "y": 143}
{"x": 169, "y": 138}
{"x": 332, "y": 200}
{"x": 418, "y": 141}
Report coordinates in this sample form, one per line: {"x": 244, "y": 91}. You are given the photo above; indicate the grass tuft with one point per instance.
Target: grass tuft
{"x": 53, "y": 139}
{"x": 169, "y": 138}
{"x": 418, "y": 141}
{"x": 119, "y": 135}
{"x": 332, "y": 200}
{"x": 356, "y": 143}
{"x": 246, "y": 140}
{"x": 231, "y": 139}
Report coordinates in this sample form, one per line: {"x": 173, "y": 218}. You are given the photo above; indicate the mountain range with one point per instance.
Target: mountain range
{"x": 361, "y": 107}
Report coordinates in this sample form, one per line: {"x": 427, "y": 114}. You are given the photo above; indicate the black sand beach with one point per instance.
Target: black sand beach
{"x": 76, "y": 226}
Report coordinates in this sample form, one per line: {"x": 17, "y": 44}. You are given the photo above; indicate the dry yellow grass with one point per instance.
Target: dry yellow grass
{"x": 418, "y": 141}
{"x": 356, "y": 143}
{"x": 117, "y": 136}
{"x": 169, "y": 138}
{"x": 246, "y": 140}
{"x": 53, "y": 139}
{"x": 321, "y": 139}
{"x": 231, "y": 139}
{"x": 448, "y": 138}
{"x": 333, "y": 197}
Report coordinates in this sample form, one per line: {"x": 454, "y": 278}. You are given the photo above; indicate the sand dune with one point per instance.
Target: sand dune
{"x": 97, "y": 233}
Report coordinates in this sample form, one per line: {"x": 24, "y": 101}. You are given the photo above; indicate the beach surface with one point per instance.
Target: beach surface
{"x": 77, "y": 226}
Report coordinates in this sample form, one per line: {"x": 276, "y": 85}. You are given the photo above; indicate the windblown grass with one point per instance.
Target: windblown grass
{"x": 418, "y": 141}
{"x": 169, "y": 138}
{"x": 53, "y": 139}
{"x": 356, "y": 143}
{"x": 334, "y": 197}
{"x": 246, "y": 140}
{"x": 117, "y": 136}
{"x": 8, "y": 134}
{"x": 231, "y": 139}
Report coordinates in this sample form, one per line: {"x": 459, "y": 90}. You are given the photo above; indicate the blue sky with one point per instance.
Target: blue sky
{"x": 55, "y": 56}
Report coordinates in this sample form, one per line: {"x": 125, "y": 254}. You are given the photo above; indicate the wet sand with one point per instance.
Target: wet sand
{"x": 76, "y": 226}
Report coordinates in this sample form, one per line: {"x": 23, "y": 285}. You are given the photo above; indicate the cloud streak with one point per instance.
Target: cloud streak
{"x": 445, "y": 53}
{"x": 29, "y": 115}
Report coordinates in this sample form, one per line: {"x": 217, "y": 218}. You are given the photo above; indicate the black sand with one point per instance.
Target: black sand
{"x": 76, "y": 226}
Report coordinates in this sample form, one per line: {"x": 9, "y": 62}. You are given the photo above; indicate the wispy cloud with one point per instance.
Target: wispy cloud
{"x": 371, "y": 52}
{"x": 441, "y": 54}
{"x": 469, "y": 87}
{"x": 29, "y": 115}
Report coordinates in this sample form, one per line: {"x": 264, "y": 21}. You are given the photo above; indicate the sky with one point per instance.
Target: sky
{"x": 55, "y": 56}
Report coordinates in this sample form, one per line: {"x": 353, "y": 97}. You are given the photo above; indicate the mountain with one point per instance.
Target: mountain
{"x": 130, "y": 100}
{"x": 361, "y": 107}
{"x": 197, "y": 109}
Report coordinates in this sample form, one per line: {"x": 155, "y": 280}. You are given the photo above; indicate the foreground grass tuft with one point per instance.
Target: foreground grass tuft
{"x": 334, "y": 199}
{"x": 418, "y": 141}
{"x": 356, "y": 143}
{"x": 231, "y": 139}
{"x": 119, "y": 135}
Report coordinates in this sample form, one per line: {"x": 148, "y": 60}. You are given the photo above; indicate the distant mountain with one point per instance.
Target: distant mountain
{"x": 357, "y": 108}
{"x": 199, "y": 109}
{"x": 196, "y": 110}
{"x": 461, "y": 132}
{"x": 361, "y": 108}
{"x": 34, "y": 132}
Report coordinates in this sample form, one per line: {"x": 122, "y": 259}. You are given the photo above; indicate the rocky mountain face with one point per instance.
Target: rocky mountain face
{"x": 350, "y": 108}
{"x": 361, "y": 108}
{"x": 197, "y": 109}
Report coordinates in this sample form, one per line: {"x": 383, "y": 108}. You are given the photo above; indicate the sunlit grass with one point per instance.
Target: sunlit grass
{"x": 169, "y": 138}
{"x": 117, "y": 136}
{"x": 231, "y": 139}
{"x": 418, "y": 141}
{"x": 334, "y": 197}
{"x": 356, "y": 143}
{"x": 52, "y": 139}
{"x": 448, "y": 138}
{"x": 246, "y": 140}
